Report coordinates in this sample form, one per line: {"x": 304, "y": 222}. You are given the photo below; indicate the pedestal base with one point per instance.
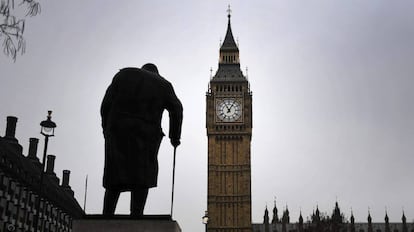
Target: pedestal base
{"x": 125, "y": 224}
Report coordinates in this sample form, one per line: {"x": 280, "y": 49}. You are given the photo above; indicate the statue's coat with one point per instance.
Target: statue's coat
{"x": 131, "y": 120}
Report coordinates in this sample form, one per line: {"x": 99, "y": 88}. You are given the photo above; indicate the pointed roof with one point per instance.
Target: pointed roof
{"x": 229, "y": 72}
{"x": 266, "y": 216}
{"x": 352, "y": 217}
{"x": 403, "y": 218}
{"x": 369, "y": 216}
{"x": 317, "y": 211}
{"x": 229, "y": 44}
{"x": 386, "y": 217}
{"x": 275, "y": 218}
{"x": 336, "y": 214}
{"x": 274, "y": 208}
{"x": 336, "y": 210}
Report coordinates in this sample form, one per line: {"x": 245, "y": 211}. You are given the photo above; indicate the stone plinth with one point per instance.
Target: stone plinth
{"x": 125, "y": 224}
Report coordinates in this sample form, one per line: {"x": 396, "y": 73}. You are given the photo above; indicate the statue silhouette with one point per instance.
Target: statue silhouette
{"x": 131, "y": 120}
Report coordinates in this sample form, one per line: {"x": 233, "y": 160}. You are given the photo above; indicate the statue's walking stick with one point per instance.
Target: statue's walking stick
{"x": 173, "y": 178}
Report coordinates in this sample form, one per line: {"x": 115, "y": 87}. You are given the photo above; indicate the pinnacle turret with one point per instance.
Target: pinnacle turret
{"x": 386, "y": 219}
{"x": 403, "y": 218}
{"x": 266, "y": 216}
{"x": 369, "y": 217}
{"x": 352, "y": 218}
{"x": 275, "y": 218}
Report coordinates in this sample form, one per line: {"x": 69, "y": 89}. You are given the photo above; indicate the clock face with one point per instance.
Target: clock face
{"x": 228, "y": 110}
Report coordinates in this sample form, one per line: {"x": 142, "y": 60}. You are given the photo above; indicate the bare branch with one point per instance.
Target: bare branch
{"x": 9, "y": 48}
{"x": 34, "y": 8}
{"x": 12, "y": 28}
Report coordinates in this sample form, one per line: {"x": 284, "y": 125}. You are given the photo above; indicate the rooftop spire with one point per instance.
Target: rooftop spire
{"x": 352, "y": 217}
{"x": 229, "y": 62}
{"x": 386, "y": 219}
{"x": 300, "y": 216}
{"x": 229, "y": 44}
{"x": 275, "y": 218}
{"x": 266, "y": 216}
{"x": 369, "y": 216}
{"x": 403, "y": 218}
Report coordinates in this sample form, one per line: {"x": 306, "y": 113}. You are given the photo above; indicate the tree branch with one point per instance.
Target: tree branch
{"x": 12, "y": 28}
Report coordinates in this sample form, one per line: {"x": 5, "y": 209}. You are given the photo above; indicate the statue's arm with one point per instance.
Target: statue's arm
{"x": 108, "y": 100}
{"x": 106, "y": 106}
{"x": 175, "y": 110}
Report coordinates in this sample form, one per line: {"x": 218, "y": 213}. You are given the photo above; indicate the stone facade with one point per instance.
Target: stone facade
{"x": 334, "y": 223}
{"x": 19, "y": 189}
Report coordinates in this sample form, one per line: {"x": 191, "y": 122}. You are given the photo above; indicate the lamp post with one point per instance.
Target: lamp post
{"x": 205, "y": 219}
{"x": 48, "y": 130}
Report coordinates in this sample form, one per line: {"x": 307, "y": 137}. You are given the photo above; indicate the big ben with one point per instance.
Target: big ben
{"x": 229, "y": 131}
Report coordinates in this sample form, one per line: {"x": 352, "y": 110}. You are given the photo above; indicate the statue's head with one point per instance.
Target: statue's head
{"x": 150, "y": 67}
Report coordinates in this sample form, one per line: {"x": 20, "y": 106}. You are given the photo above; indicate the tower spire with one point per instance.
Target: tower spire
{"x": 229, "y": 59}
{"x": 369, "y": 216}
{"x": 275, "y": 218}
{"x": 370, "y": 229}
{"x": 266, "y": 216}
{"x": 229, "y": 44}
{"x": 352, "y": 217}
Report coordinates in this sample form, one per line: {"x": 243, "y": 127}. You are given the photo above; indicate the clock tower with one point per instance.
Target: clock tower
{"x": 229, "y": 132}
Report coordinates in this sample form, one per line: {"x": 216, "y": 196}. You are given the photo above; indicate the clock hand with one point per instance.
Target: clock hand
{"x": 231, "y": 106}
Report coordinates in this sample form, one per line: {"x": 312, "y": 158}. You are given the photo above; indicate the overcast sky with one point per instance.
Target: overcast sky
{"x": 332, "y": 82}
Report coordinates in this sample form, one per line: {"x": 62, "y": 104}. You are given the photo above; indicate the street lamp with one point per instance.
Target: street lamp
{"x": 48, "y": 126}
{"x": 205, "y": 219}
{"x": 48, "y": 130}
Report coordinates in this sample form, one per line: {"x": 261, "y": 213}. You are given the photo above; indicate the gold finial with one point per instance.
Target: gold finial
{"x": 211, "y": 72}
{"x": 229, "y": 11}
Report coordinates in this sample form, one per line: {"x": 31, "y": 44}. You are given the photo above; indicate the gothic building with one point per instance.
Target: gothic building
{"x": 19, "y": 189}
{"x": 336, "y": 222}
{"x": 229, "y": 131}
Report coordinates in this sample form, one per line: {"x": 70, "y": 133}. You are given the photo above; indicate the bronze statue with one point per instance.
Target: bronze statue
{"x": 131, "y": 120}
